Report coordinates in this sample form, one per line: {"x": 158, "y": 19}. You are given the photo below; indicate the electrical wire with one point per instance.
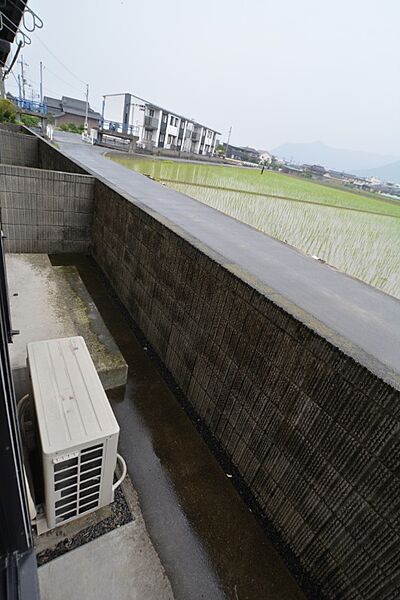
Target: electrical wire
{"x": 60, "y": 61}
{"x": 71, "y": 85}
{"x": 13, "y": 61}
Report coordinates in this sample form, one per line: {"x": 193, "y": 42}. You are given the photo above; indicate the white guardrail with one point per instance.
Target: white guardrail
{"x": 50, "y": 132}
{"x": 89, "y": 137}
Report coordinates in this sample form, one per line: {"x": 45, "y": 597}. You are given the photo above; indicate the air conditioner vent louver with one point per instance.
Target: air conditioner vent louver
{"x": 78, "y": 430}
{"x": 82, "y": 476}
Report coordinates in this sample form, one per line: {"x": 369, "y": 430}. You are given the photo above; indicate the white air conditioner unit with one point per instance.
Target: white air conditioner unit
{"x": 77, "y": 427}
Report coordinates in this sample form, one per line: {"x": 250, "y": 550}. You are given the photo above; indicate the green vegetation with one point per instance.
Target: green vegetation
{"x": 30, "y": 120}
{"x": 71, "y": 127}
{"x": 8, "y": 113}
{"x": 357, "y": 234}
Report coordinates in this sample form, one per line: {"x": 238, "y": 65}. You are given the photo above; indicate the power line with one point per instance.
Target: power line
{"x": 60, "y": 61}
{"x": 72, "y": 86}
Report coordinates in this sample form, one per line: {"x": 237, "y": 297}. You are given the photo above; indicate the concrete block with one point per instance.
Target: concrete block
{"x": 100, "y": 571}
{"x": 52, "y": 302}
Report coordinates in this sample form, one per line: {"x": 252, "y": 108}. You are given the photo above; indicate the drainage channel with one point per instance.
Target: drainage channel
{"x": 210, "y": 544}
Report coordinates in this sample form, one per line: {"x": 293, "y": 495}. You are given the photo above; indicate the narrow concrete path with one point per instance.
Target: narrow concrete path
{"x": 119, "y": 565}
{"x": 362, "y": 321}
{"x": 209, "y": 543}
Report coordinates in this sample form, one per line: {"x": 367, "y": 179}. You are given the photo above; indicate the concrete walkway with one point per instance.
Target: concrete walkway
{"x": 359, "y": 319}
{"x": 120, "y": 565}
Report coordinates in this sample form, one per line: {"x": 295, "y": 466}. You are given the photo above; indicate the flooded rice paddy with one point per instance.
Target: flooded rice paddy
{"x": 359, "y": 235}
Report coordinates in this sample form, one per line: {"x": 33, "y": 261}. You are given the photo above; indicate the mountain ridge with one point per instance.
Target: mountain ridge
{"x": 333, "y": 158}
{"x": 389, "y": 172}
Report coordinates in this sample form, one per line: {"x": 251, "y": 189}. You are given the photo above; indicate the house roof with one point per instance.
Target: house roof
{"x": 69, "y": 106}
{"x": 245, "y": 149}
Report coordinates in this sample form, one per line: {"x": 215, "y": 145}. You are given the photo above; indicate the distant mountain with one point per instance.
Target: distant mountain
{"x": 333, "y": 158}
{"x": 390, "y": 172}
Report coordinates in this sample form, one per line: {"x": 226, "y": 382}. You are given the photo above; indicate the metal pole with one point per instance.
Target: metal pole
{"x": 103, "y": 109}
{"x": 229, "y": 139}
{"x": 87, "y": 107}
{"x": 21, "y": 62}
{"x": 41, "y": 82}
{"x": 2, "y": 85}
{"x": 19, "y": 86}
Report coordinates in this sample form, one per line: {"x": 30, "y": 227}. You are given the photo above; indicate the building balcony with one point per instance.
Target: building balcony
{"x": 151, "y": 122}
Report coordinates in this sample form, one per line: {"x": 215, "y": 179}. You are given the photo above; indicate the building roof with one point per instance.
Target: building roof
{"x": 249, "y": 150}
{"x": 244, "y": 149}
{"x": 69, "y": 106}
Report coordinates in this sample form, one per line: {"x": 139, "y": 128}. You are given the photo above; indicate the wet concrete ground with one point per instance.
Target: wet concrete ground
{"x": 209, "y": 542}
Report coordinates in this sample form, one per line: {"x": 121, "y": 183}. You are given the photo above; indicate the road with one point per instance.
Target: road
{"x": 359, "y": 319}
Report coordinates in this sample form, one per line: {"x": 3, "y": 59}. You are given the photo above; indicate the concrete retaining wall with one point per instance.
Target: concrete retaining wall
{"x": 18, "y": 149}
{"x": 313, "y": 434}
{"x": 15, "y": 127}
{"x": 50, "y": 158}
{"x": 45, "y": 211}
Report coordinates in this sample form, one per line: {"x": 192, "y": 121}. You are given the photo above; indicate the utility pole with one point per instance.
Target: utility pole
{"x": 41, "y": 82}
{"x": 229, "y": 139}
{"x": 2, "y": 84}
{"x": 87, "y": 107}
{"x": 23, "y": 80}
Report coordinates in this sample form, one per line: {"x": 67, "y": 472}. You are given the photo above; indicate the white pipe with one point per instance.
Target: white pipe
{"x": 124, "y": 470}
{"x": 20, "y": 411}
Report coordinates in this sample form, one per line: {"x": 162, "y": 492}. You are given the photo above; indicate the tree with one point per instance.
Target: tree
{"x": 8, "y": 114}
{"x": 220, "y": 150}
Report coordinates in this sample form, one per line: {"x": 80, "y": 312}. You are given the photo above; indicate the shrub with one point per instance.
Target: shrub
{"x": 8, "y": 113}
{"x": 71, "y": 127}
{"x": 30, "y": 120}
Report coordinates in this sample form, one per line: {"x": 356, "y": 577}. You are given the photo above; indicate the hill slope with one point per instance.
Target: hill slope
{"x": 333, "y": 158}
{"x": 390, "y": 172}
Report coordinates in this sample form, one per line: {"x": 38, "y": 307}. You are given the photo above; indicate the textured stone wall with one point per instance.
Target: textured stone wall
{"x": 45, "y": 211}
{"x": 314, "y": 435}
{"x": 18, "y": 149}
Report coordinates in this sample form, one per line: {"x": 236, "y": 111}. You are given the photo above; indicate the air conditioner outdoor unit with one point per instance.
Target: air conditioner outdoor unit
{"x": 77, "y": 428}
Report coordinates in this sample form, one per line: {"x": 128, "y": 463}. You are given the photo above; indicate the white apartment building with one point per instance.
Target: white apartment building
{"x": 158, "y": 127}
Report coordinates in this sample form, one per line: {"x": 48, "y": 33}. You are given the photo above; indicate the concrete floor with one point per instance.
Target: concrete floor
{"x": 208, "y": 541}
{"x": 120, "y": 565}
{"x": 115, "y": 565}
{"x": 51, "y": 302}
{"x": 362, "y": 321}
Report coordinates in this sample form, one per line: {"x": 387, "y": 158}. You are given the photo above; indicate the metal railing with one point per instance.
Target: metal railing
{"x": 31, "y": 105}
{"x": 116, "y": 127}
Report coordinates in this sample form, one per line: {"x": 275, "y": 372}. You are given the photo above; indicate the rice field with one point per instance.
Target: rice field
{"x": 359, "y": 235}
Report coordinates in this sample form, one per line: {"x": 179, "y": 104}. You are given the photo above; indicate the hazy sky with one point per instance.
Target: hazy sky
{"x": 276, "y": 70}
